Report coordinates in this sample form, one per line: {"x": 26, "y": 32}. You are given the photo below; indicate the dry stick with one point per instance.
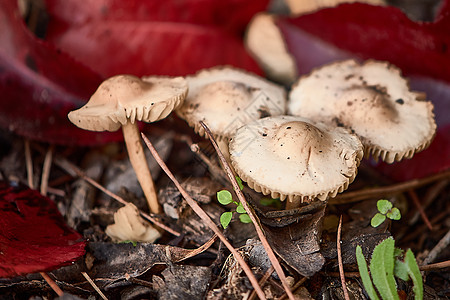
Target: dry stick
{"x": 29, "y": 164}
{"x": 262, "y": 281}
{"x": 341, "y": 266}
{"x": 240, "y": 195}
{"x": 416, "y": 201}
{"x": 436, "y": 266}
{"x": 52, "y": 284}
{"x": 429, "y": 197}
{"x": 92, "y": 283}
{"x": 355, "y": 196}
{"x": 442, "y": 245}
{"x": 75, "y": 171}
{"x": 202, "y": 214}
{"x": 46, "y": 170}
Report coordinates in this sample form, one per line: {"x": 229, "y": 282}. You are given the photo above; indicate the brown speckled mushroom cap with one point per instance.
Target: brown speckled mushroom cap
{"x": 126, "y": 98}
{"x": 226, "y": 98}
{"x": 289, "y": 157}
{"x": 373, "y": 100}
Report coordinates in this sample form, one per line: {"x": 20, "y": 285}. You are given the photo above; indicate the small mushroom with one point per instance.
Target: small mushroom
{"x": 267, "y": 45}
{"x": 121, "y": 101}
{"x": 373, "y": 100}
{"x": 130, "y": 226}
{"x": 290, "y": 157}
{"x": 226, "y": 98}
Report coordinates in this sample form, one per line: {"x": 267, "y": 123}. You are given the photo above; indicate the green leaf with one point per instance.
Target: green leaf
{"x": 239, "y": 181}
{"x": 401, "y": 270}
{"x": 394, "y": 214}
{"x": 240, "y": 209}
{"x": 224, "y": 197}
{"x": 245, "y": 218}
{"x": 414, "y": 273}
{"x": 225, "y": 219}
{"x": 377, "y": 220}
{"x": 382, "y": 269}
{"x": 384, "y": 206}
{"x": 364, "y": 272}
{"x": 134, "y": 243}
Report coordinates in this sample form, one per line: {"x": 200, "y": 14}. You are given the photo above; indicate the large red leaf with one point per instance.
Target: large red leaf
{"x": 159, "y": 48}
{"x": 33, "y": 235}
{"x": 73, "y": 13}
{"x": 363, "y": 31}
{"x": 380, "y": 32}
{"x": 40, "y": 85}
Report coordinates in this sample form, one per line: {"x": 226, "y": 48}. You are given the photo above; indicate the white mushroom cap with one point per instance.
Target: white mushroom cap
{"x": 289, "y": 157}
{"x": 126, "y": 98}
{"x": 373, "y": 100}
{"x": 226, "y": 98}
{"x": 266, "y": 44}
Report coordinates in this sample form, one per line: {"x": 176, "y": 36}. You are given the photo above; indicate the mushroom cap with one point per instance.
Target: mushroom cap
{"x": 127, "y": 98}
{"x": 290, "y": 157}
{"x": 266, "y": 44}
{"x": 226, "y": 98}
{"x": 373, "y": 100}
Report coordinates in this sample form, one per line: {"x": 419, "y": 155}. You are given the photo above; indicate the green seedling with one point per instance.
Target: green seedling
{"x": 387, "y": 262}
{"x": 224, "y": 197}
{"x": 385, "y": 210}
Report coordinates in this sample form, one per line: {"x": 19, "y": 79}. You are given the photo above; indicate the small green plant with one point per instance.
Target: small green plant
{"x": 226, "y": 198}
{"x": 385, "y": 210}
{"x": 387, "y": 262}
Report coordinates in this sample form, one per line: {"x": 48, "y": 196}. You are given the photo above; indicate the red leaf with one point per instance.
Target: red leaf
{"x": 40, "y": 85}
{"x": 153, "y": 48}
{"x": 384, "y": 33}
{"x": 33, "y": 235}
{"x": 73, "y": 13}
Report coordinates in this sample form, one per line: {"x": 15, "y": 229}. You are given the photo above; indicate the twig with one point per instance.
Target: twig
{"x": 262, "y": 281}
{"x": 416, "y": 201}
{"x": 52, "y": 284}
{"x": 92, "y": 283}
{"x": 29, "y": 164}
{"x": 46, "y": 170}
{"x": 429, "y": 197}
{"x": 240, "y": 195}
{"x": 436, "y": 266}
{"x": 75, "y": 171}
{"x": 139, "y": 281}
{"x": 442, "y": 245}
{"x": 355, "y": 196}
{"x": 202, "y": 214}
{"x": 341, "y": 266}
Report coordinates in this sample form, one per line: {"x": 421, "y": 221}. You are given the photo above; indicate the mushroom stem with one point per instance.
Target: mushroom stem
{"x": 139, "y": 162}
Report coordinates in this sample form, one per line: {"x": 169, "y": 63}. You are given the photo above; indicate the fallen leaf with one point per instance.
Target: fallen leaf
{"x": 39, "y": 85}
{"x": 73, "y": 13}
{"x": 153, "y": 48}
{"x": 33, "y": 235}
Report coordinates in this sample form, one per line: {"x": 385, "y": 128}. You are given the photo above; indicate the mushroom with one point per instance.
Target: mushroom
{"x": 371, "y": 99}
{"x": 266, "y": 44}
{"x": 130, "y": 226}
{"x": 226, "y": 98}
{"x": 121, "y": 101}
{"x": 289, "y": 157}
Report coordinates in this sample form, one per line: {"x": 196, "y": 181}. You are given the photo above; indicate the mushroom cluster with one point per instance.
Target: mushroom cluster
{"x": 303, "y": 148}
